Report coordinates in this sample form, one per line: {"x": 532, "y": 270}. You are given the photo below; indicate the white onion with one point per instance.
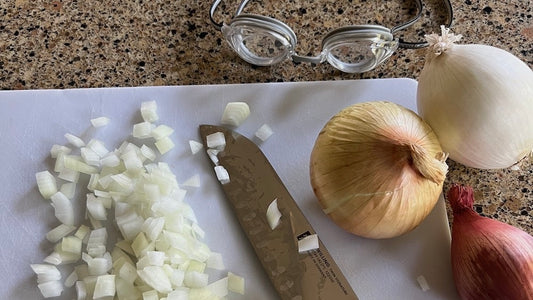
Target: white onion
{"x": 478, "y": 99}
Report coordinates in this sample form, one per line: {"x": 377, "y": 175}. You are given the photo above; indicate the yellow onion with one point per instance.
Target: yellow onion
{"x": 377, "y": 169}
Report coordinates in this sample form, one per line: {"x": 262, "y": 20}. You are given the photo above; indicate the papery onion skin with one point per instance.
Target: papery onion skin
{"x": 490, "y": 259}
{"x": 377, "y": 169}
{"x": 479, "y": 101}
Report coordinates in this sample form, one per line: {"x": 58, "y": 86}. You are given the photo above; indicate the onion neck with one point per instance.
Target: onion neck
{"x": 432, "y": 168}
{"x": 439, "y": 44}
{"x": 461, "y": 199}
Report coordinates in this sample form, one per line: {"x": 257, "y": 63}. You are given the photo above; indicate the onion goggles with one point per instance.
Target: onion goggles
{"x": 265, "y": 41}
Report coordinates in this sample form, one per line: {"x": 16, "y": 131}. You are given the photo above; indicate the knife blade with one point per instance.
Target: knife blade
{"x": 252, "y": 187}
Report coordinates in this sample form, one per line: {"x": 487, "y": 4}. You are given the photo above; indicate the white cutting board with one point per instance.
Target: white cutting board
{"x": 32, "y": 121}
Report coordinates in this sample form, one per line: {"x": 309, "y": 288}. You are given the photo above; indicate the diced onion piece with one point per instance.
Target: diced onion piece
{"x": 82, "y": 233}
{"x": 153, "y": 227}
{"x": 156, "y": 278}
{"x": 141, "y": 245}
{"x": 128, "y": 272}
{"x": 222, "y": 174}
{"x": 100, "y": 122}
{"x": 56, "y": 149}
{"x": 219, "y": 288}
{"x": 149, "y": 111}
{"x": 150, "y": 295}
{"x": 132, "y": 161}
{"x": 54, "y": 259}
{"x": 105, "y": 286}
{"x": 213, "y": 155}
{"x": 235, "y": 113}
{"x": 142, "y": 130}
{"x": 423, "y": 283}
{"x": 235, "y": 283}
{"x": 182, "y": 294}
{"x": 156, "y": 258}
{"x": 215, "y": 261}
{"x": 264, "y": 132}
{"x": 68, "y": 189}
{"x": 194, "y": 279}
{"x": 75, "y": 163}
{"x": 59, "y": 232}
{"x": 110, "y": 160}
{"x": 71, "y": 279}
{"x": 162, "y": 131}
{"x": 90, "y": 157}
{"x": 64, "y": 211}
{"x": 273, "y": 214}
{"x": 98, "y": 147}
{"x": 196, "y": 266}
{"x": 164, "y": 145}
{"x": 124, "y": 181}
{"x": 81, "y": 291}
{"x": 44, "y": 268}
{"x": 93, "y": 182}
{"x": 46, "y": 183}
{"x": 74, "y": 140}
{"x": 98, "y": 266}
{"x": 69, "y": 175}
{"x": 71, "y": 244}
{"x": 148, "y": 152}
{"x": 193, "y": 181}
{"x": 51, "y": 289}
{"x": 195, "y": 146}
{"x": 96, "y": 208}
{"x": 308, "y": 243}
{"x": 216, "y": 140}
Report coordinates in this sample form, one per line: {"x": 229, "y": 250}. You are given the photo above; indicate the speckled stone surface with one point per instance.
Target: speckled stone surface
{"x": 75, "y": 44}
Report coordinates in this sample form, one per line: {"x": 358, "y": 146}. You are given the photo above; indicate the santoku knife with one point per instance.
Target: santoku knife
{"x": 253, "y": 185}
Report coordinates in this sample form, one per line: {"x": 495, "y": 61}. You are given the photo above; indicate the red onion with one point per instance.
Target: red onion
{"x": 490, "y": 259}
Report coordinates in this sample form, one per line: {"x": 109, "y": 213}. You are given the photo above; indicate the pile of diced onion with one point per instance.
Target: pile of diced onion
{"x": 159, "y": 253}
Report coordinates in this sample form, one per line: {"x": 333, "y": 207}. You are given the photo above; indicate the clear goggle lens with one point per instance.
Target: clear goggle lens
{"x": 259, "y": 42}
{"x": 358, "y": 49}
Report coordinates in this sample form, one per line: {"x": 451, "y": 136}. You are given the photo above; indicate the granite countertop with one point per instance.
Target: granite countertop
{"x": 74, "y": 44}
